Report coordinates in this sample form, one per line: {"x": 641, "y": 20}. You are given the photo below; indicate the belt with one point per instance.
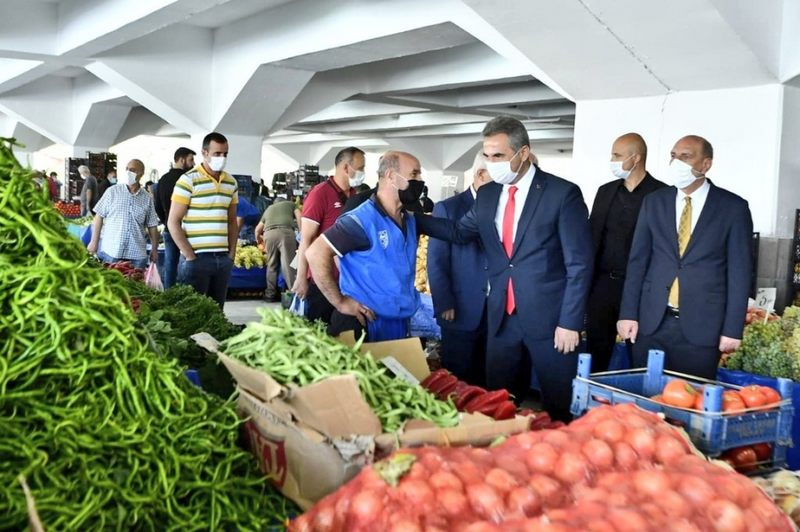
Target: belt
{"x": 212, "y": 253}
{"x": 674, "y": 312}
{"x": 271, "y": 227}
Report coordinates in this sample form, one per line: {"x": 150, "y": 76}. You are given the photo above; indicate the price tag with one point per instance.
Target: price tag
{"x": 398, "y": 370}
{"x": 765, "y": 298}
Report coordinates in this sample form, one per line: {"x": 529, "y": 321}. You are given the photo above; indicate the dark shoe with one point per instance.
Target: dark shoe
{"x": 272, "y": 299}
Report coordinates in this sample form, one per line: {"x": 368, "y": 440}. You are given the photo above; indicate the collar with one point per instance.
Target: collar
{"x": 524, "y": 184}
{"x": 374, "y": 199}
{"x": 128, "y": 190}
{"x": 346, "y": 193}
{"x": 223, "y": 175}
{"x": 473, "y": 192}
{"x": 699, "y": 194}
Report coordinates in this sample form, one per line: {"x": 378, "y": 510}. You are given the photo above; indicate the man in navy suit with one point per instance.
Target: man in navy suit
{"x": 459, "y": 281}
{"x": 689, "y": 271}
{"x": 534, "y": 229}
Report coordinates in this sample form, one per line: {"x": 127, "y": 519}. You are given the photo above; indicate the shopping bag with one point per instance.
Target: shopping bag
{"x": 298, "y": 306}
{"x": 151, "y": 277}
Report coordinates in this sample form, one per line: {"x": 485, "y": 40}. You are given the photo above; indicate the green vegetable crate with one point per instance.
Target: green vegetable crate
{"x": 712, "y": 431}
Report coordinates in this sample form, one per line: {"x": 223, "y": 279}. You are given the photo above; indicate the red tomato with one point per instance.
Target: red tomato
{"x": 599, "y": 453}
{"x": 571, "y": 467}
{"x": 771, "y": 394}
{"x": 658, "y": 398}
{"x": 680, "y": 393}
{"x": 744, "y": 458}
{"x": 763, "y": 451}
{"x": 698, "y": 399}
{"x": 732, "y": 401}
{"x": 752, "y": 396}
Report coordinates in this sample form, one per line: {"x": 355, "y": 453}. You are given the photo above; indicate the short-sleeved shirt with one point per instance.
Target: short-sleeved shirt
{"x": 325, "y": 203}
{"x": 208, "y": 199}
{"x": 126, "y": 218}
{"x": 280, "y": 214}
{"x": 89, "y": 184}
{"x": 348, "y": 235}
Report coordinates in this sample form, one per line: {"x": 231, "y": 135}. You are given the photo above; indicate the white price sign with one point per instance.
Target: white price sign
{"x": 765, "y": 298}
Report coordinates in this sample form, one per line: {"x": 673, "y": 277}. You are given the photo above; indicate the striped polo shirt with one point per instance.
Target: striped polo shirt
{"x": 206, "y": 221}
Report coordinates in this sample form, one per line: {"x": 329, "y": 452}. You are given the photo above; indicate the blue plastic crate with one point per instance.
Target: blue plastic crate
{"x": 712, "y": 431}
{"x": 252, "y": 279}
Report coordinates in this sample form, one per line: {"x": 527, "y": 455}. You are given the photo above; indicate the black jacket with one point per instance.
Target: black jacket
{"x": 163, "y": 199}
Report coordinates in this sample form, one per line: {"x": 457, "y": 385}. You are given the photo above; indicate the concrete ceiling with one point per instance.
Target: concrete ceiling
{"x": 308, "y": 76}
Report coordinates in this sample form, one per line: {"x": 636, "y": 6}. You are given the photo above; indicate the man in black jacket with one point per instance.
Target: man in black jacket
{"x": 613, "y": 220}
{"x": 183, "y": 161}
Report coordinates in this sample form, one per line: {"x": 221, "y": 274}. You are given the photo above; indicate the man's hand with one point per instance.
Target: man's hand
{"x": 92, "y": 247}
{"x": 300, "y": 287}
{"x": 566, "y": 341}
{"x": 351, "y": 307}
{"x": 449, "y": 315}
{"x": 728, "y": 345}
{"x": 154, "y": 255}
{"x": 628, "y": 330}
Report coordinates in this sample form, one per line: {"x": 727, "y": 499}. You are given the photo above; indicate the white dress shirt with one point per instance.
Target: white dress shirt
{"x": 474, "y": 192}
{"x": 523, "y": 187}
{"x": 698, "y": 201}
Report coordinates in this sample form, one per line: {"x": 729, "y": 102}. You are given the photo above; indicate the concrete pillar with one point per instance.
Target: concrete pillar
{"x": 244, "y": 155}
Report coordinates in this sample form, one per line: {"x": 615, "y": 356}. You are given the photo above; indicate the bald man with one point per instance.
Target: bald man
{"x": 124, "y": 215}
{"x": 377, "y": 248}
{"x": 689, "y": 272}
{"x": 613, "y": 219}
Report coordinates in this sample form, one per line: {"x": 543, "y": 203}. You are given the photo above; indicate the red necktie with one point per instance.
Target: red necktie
{"x": 508, "y": 243}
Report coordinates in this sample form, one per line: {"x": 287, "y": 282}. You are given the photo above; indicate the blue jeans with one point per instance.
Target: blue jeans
{"x": 108, "y": 259}
{"x": 208, "y": 274}
{"x": 171, "y": 257}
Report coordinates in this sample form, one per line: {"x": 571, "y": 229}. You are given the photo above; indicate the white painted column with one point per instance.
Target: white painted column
{"x": 789, "y": 172}
{"x": 244, "y": 155}
{"x": 743, "y": 125}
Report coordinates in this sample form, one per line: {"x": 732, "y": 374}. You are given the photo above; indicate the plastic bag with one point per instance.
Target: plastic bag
{"x": 152, "y": 279}
{"x": 298, "y": 306}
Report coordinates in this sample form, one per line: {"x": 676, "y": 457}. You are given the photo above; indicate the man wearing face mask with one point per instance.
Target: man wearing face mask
{"x": 321, "y": 208}
{"x": 105, "y": 182}
{"x": 613, "y": 219}
{"x": 202, "y": 221}
{"x": 377, "y": 248}
{"x": 123, "y": 216}
{"x": 182, "y": 162}
{"x": 534, "y": 229}
{"x": 412, "y": 199}
{"x": 689, "y": 271}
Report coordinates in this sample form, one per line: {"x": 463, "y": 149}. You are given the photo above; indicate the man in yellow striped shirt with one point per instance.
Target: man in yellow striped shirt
{"x": 202, "y": 221}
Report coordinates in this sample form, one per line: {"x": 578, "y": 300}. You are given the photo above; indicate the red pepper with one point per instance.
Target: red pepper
{"x": 437, "y": 387}
{"x": 468, "y": 394}
{"x": 482, "y": 402}
{"x": 526, "y": 412}
{"x": 448, "y": 389}
{"x": 433, "y": 377}
{"x": 504, "y": 410}
{"x": 461, "y": 387}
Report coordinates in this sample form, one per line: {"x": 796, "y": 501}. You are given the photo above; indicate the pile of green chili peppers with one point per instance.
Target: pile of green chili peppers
{"x": 107, "y": 434}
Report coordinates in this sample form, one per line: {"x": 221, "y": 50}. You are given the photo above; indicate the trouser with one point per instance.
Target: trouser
{"x": 464, "y": 353}
{"x": 136, "y": 263}
{"x": 171, "y": 257}
{"x": 281, "y": 249}
{"x": 208, "y": 274}
{"x": 378, "y": 330}
{"x": 511, "y": 352}
{"x": 602, "y": 312}
{"x": 317, "y": 305}
{"x": 680, "y": 354}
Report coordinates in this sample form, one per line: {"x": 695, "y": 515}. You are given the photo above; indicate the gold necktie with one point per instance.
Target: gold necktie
{"x": 684, "y": 233}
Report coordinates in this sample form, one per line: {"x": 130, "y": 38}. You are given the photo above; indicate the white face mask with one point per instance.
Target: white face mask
{"x": 112, "y": 180}
{"x": 617, "y": 171}
{"x": 130, "y": 178}
{"x": 680, "y": 174}
{"x": 357, "y": 179}
{"x": 501, "y": 171}
{"x": 217, "y": 164}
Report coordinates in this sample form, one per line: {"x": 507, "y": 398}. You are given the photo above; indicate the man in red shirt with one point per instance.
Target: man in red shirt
{"x": 321, "y": 208}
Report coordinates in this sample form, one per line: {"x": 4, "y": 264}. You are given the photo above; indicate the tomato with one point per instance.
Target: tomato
{"x": 609, "y": 430}
{"x": 658, "y": 398}
{"x": 680, "y": 393}
{"x": 599, "y": 453}
{"x": 571, "y": 467}
{"x": 732, "y": 401}
{"x": 698, "y": 399}
{"x": 541, "y": 458}
{"x": 669, "y": 448}
{"x": 763, "y": 451}
{"x": 771, "y": 394}
{"x": 752, "y": 396}
{"x": 743, "y": 458}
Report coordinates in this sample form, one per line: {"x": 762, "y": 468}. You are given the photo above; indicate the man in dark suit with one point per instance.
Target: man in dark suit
{"x": 459, "y": 281}
{"x": 689, "y": 271}
{"x": 613, "y": 219}
{"x": 534, "y": 229}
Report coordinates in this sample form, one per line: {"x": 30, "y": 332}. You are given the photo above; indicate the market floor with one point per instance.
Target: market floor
{"x": 244, "y": 311}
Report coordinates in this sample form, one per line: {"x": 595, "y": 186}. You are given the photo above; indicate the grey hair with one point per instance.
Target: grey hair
{"x": 479, "y": 163}
{"x": 508, "y": 125}
{"x": 389, "y": 161}
{"x": 84, "y": 170}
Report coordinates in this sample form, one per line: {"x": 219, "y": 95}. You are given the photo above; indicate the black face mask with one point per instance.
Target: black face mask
{"x": 411, "y": 195}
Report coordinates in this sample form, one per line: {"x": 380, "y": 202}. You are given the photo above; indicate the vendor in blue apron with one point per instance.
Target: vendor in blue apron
{"x": 377, "y": 248}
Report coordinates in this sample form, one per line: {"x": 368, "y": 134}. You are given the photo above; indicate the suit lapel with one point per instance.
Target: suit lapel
{"x": 705, "y": 217}
{"x": 531, "y": 202}
{"x": 487, "y": 210}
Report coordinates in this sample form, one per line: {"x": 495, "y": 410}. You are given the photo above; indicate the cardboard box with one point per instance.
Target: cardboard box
{"x": 313, "y": 439}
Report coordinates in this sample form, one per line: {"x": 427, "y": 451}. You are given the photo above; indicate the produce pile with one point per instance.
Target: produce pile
{"x": 127, "y": 270}
{"x": 106, "y": 434}
{"x": 68, "y": 210}
{"x": 294, "y": 351}
{"x": 249, "y": 257}
{"x": 784, "y": 488}
{"x": 679, "y": 393}
{"x": 421, "y": 276}
{"x": 617, "y": 468}
{"x": 772, "y": 348}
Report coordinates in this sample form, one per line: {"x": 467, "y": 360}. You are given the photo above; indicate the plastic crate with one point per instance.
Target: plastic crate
{"x": 711, "y": 430}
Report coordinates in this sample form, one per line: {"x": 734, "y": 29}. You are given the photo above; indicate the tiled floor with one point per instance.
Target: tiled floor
{"x": 244, "y": 311}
